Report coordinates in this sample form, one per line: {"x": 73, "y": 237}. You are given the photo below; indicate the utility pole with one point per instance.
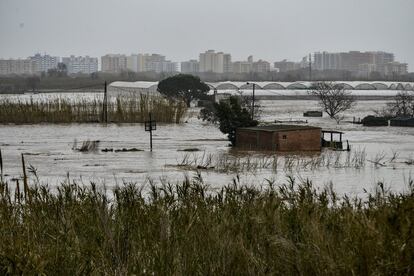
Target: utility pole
{"x": 105, "y": 105}
{"x": 254, "y": 86}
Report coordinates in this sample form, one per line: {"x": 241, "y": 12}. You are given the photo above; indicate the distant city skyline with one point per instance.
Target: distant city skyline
{"x": 196, "y": 57}
{"x": 359, "y": 64}
{"x": 181, "y": 29}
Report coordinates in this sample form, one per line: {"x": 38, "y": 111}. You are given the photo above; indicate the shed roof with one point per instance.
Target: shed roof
{"x": 273, "y": 128}
{"x": 332, "y": 131}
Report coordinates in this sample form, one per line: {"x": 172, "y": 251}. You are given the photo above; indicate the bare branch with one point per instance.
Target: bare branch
{"x": 333, "y": 98}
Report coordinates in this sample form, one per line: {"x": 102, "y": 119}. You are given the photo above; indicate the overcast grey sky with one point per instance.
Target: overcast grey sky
{"x": 181, "y": 29}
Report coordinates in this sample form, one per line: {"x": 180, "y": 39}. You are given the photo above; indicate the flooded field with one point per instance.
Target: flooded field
{"x": 378, "y": 153}
{"x": 98, "y": 95}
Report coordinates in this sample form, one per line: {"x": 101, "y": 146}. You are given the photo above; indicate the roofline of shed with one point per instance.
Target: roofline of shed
{"x": 279, "y": 130}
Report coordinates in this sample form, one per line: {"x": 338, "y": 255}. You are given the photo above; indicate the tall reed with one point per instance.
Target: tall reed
{"x": 132, "y": 109}
{"x": 189, "y": 229}
{"x": 1, "y": 166}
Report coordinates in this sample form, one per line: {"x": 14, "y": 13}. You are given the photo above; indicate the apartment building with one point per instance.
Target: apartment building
{"x": 210, "y": 61}
{"x": 43, "y": 63}
{"x": 227, "y": 64}
{"x": 261, "y": 66}
{"x": 132, "y": 63}
{"x": 394, "y": 68}
{"x": 382, "y": 57}
{"x": 16, "y": 67}
{"x": 136, "y": 62}
{"x": 248, "y": 66}
{"x": 359, "y": 63}
{"x": 32, "y": 65}
{"x": 327, "y": 61}
{"x": 158, "y": 63}
{"x": 150, "y": 62}
{"x": 80, "y": 65}
{"x": 285, "y": 66}
{"x": 191, "y": 66}
{"x": 242, "y": 67}
{"x": 113, "y": 63}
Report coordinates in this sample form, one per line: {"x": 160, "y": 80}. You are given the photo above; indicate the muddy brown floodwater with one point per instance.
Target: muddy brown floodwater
{"x": 387, "y": 153}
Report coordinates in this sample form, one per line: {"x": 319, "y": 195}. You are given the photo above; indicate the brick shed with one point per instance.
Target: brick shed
{"x": 279, "y": 138}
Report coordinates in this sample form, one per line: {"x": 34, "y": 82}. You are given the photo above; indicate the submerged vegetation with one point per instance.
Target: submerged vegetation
{"x": 132, "y": 109}
{"x": 240, "y": 162}
{"x": 190, "y": 229}
{"x": 226, "y": 163}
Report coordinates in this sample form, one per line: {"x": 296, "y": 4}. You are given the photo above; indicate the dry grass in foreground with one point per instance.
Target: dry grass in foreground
{"x": 188, "y": 229}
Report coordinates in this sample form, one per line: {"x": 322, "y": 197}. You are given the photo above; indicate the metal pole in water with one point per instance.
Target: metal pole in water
{"x": 150, "y": 117}
{"x": 150, "y": 125}
{"x": 254, "y": 86}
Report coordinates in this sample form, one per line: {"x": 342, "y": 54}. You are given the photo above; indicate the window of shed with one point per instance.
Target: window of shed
{"x": 284, "y": 137}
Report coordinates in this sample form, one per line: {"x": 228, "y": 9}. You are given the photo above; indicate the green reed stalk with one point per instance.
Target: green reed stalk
{"x": 1, "y": 166}
{"x": 27, "y": 195}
